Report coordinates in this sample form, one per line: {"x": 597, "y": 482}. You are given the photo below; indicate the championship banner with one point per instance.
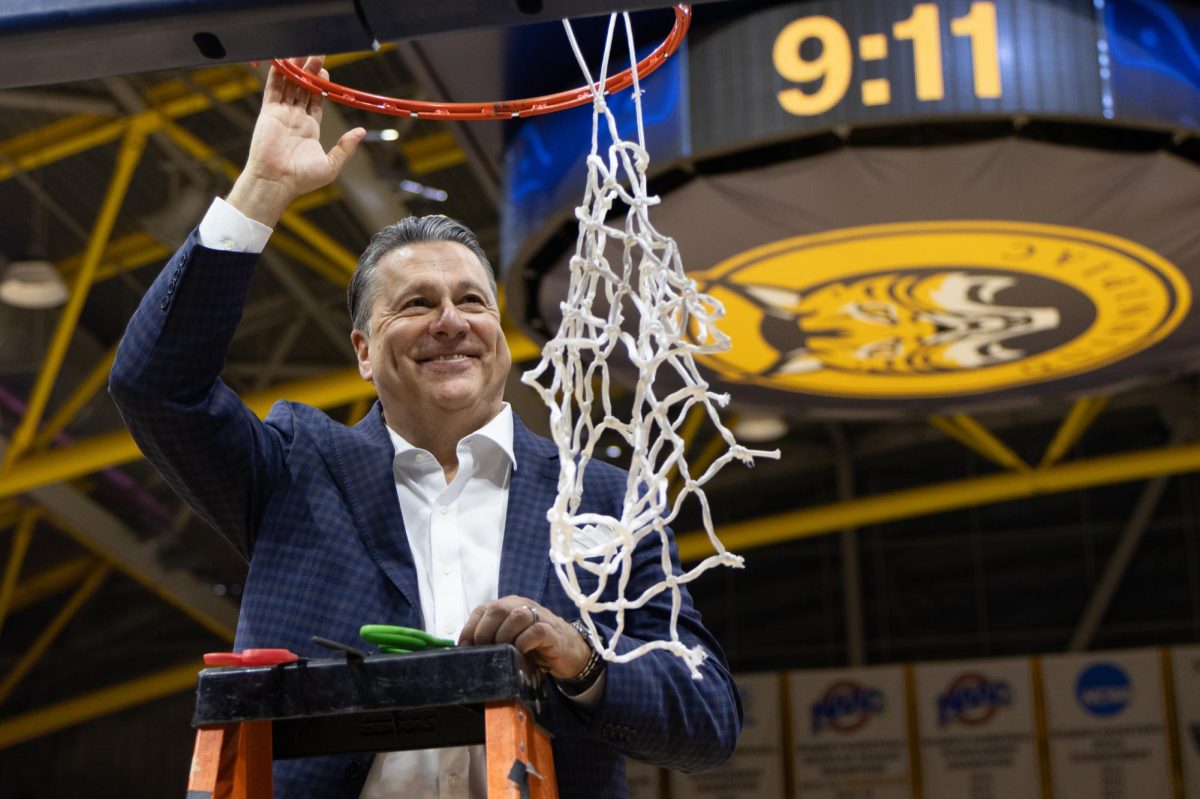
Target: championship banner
{"x": 1185, "y": 671}
{"x": 850, "y": 733}
{"x": 1106, "y": 720}
{"x": 977, "y": 729}
{"x": 756, "y": 769}
{"x": 643, "y": 780}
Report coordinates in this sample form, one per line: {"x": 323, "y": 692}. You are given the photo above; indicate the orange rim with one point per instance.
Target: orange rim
{"x": 503, "y": 109}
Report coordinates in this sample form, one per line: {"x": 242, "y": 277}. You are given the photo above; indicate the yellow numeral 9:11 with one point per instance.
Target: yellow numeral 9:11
{"x": 834, "y": 65}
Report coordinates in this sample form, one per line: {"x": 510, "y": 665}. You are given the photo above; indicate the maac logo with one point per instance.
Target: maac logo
{"x": 939, "y": 308}
{"x": 972, "y": 699}
{"x": 846, "y": 706}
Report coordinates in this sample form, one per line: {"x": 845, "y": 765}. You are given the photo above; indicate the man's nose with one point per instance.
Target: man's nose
{"x": 449, "y": 320}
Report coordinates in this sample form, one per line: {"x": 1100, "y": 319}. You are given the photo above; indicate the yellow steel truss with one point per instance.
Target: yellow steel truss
{"x": 946, "y": 496}
{"x": 16, "y": 558}
{"x": 1079, "y": 418}
{"x": 113, "y": 449}
{"x": 52, "y": 630}
{"x": 127, "y": 161}
{"x": 96, "y": 379}
{"x": 98, "y": 703}
{"x": 975, "y": 436}
{"x": 50, "y": 581}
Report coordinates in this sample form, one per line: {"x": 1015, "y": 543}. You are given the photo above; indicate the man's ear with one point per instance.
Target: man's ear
{"x": 362, "y": 348}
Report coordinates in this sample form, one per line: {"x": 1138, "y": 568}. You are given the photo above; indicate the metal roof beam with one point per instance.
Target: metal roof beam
{"x": 1122, "y": 555}
{"x": 130, "y": 693}
{"x": 127, "y": 161}
{"x": 947, "y": 496}
{"x": 98, "y": 530}
{"x": 112, "y": 449}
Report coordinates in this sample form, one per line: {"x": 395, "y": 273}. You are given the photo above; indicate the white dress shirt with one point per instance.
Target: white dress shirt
{"x": 455, "y": 532}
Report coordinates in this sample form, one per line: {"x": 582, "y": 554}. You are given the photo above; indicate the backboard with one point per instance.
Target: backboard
{"x": 57, "y": 41}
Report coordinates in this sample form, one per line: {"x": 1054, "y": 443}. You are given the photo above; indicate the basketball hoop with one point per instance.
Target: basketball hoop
{"x": 501, "y": 109}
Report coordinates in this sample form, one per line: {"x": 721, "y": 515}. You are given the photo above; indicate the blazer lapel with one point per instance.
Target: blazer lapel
{"x": 525, "y": 556}
{"x": 364, "y": 456}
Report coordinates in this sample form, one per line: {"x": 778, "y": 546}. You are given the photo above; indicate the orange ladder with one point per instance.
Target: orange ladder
{"x": 248, "y": 716}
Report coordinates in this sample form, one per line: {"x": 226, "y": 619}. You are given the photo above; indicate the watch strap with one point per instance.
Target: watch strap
{"x": 591, "y": 670}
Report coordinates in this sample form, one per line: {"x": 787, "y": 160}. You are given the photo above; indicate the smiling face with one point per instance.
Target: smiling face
{"x": 435, "y": 350}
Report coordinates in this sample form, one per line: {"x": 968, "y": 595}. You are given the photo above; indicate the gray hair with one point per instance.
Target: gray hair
{"x": 360, "y": 296}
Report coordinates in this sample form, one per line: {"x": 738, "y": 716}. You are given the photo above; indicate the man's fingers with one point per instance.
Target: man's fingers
{"x": 519, "y": 619}
{"x": 489, "y": 622}
{"x": 467, "y": 636}
{"x": 276, "y": 83}
{"x": 316, "y": 100}
{"x": 344, "y": 150}
{"x": 532, "y": 638}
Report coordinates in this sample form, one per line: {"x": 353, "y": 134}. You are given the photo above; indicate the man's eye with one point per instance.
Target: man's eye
{"x": 417, "y": 302}
{"x": 472, "y": 299}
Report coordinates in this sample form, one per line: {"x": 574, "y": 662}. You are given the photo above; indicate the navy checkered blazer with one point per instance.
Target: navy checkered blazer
{"x": 312, "y": 504}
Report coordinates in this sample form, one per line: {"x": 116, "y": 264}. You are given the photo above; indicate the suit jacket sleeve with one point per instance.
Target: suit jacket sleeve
{"x": 165, "y": 381}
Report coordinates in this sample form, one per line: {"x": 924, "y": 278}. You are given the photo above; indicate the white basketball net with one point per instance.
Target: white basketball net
{"x": 674, "y": 322}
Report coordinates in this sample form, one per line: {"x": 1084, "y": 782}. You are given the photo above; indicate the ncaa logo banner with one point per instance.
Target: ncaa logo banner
{"x": 977, "y": 730}
{"x": 1185, "y": 671}
{"x": 756, "y": 769}
{"x": 1106, "y": 724}
{"x": 850, "y": 733}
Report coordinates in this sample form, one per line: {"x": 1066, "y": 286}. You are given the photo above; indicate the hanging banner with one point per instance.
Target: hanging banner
{"x": 756, "y": 769}
{"x": 643, "y": 779}
{"x": 977, "y": 733}
{"x": 1185, "y": 671}
{"x": 850, "y": 733}
{"x": 1105, "y": 713}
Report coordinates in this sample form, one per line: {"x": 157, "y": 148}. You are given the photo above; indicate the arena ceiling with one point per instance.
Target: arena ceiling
{"x": 1070, "y": 523}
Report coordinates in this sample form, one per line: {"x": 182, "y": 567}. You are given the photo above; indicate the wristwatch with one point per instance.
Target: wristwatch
{"x": 591, "y": 670}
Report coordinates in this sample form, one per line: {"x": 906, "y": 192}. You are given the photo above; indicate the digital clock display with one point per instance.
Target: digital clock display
{"x": 823, "y": 80}
{"x": 820, "y": 64}
{"x": 752, "y": 74}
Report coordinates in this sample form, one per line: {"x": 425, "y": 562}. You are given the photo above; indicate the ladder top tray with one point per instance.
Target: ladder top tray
{"x": 377, "y": 703}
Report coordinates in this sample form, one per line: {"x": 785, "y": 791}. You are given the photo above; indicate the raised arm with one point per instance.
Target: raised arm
{"x": 166, "y": 379}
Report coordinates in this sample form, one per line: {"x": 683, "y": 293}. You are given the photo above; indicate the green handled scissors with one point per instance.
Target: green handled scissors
{"x": 400, "y": 640}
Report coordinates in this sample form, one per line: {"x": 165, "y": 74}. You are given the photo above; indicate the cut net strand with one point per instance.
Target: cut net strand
{"x": 674, "y": 323}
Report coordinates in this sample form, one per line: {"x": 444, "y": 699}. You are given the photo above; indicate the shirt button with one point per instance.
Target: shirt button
{"x": 227, "y": 244}
{"x": 447, "y": 571}
{"x": 420, "y": 458}
{"x": 444, "y": 510}
{"x": 453, "y": 779}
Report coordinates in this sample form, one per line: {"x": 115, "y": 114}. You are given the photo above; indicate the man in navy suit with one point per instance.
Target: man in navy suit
{"x": 429, "y": 513}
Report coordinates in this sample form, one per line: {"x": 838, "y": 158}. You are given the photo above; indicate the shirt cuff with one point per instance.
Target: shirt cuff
{"x": 226, "y": 228}
{"x": 589, "y": 699}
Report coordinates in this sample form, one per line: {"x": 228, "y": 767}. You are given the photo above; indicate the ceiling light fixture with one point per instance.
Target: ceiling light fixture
{"x": 421, "y": 190}
{"x": 758, "y": 427}
{"x": 34, "y": 284}
{"x": 386, "y": 134}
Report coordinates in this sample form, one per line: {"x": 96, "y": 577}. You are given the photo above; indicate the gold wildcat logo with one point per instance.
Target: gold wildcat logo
{"x": 939, "y": 308}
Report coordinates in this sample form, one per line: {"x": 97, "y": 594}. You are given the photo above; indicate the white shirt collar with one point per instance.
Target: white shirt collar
{"x": 498, "y": 431}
